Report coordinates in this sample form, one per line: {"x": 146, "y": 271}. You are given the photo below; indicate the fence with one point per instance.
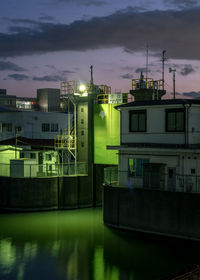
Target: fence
{"x": 162, "y": 181}
{"x": 111, "y": 175}
{"x": 22, "y": 169}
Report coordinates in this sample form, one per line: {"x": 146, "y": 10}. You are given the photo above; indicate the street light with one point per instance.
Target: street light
{"x": 173, "y": 70}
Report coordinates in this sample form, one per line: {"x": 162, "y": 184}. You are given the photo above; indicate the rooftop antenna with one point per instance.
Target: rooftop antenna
{"x": 147, "y": 62}
{"x": 91, "y": 72}
{"x": 174, "y": 90}
{"x": 163, "y": 66}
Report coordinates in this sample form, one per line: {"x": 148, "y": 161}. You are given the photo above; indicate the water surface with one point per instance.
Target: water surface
{"x": 75, "y": 245}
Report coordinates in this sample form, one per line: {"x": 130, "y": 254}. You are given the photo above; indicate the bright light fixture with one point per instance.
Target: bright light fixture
{"x": 82, "y": 88}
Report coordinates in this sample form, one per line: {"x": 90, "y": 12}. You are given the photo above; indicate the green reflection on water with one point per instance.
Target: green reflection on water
{"x": 75, "y": 245}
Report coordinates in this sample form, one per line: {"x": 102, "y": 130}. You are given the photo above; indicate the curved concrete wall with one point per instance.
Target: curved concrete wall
{"x": 28, "y": 194}
{"x": 37, "y": 194}
{"x": 172, "y": 214}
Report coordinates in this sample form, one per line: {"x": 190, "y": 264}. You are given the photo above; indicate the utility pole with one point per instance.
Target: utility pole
{"x": 174, "y": 91}
{"x": 163, "y": 67}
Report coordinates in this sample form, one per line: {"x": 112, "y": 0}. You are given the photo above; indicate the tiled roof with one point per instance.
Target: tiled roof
{"x": 159, "y": 102}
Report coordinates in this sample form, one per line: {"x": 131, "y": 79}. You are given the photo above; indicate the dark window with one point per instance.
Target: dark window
{"x": 170, "y": 173}
{"x": 82, "y": 132}
{"x": 175, "y": 120}
{"x": 82, "y": 144}
{"x": 82, "y": 121}
{"x": 45, "y": 127}
{"x": 82, "y": 109}
{"x": 135, "y": 166}
{"x": 6, "y": 127}
{"x": 138, "y": 121}
{"x": 193, "y": 171}
{"x": 33, "y": 155}
{"x": 54, "y": 127}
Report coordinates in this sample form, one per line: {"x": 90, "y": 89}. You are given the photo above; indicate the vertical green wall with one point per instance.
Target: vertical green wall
{"x": 106, "y": 132}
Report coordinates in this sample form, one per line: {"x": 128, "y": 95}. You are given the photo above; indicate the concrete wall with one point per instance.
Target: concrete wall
{"x": 172, "y": 214}
{"x": 37, "y": 194}
{"x": 28, "y": 194}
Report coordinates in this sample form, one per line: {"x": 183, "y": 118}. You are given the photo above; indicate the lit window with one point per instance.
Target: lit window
{"x": 137, "y": 121}
{"x": 175, "y": 120}
{"x": 135, "y": 166}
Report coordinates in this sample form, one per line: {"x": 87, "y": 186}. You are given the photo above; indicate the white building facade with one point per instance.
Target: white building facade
{"x": 160, "y": 145}
{"x": 32, "y": 124}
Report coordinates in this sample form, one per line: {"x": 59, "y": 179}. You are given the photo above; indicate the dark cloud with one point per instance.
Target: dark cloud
{"x": 182, "y": 3}
{"x": 50, "y": 66}
{"x": 18, "y": 77}
{"x": 9, "y": 66}
{"x": 129, "y": 68}
{"x": 175, "y": 31}
{"x": 66, "y": 72}
{"x": 83, "y": 2}
{"x": 49, "y": 78}
{"x": 139, "y": 70}
{"x": 127, "y": 76}
{"x": 188, "y": 69}
{"x": 192, "y": 94}
{"x": 47, "y": 18}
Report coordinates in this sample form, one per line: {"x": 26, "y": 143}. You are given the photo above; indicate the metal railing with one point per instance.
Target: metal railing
{"x": 111, "y": 175}
{"x": 22, "y": 170}
{"x": 177, "y": 183}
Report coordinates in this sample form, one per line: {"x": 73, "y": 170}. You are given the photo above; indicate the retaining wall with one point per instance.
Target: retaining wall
{"x": 172, "y": 214}
{"x": 36, "y": 194}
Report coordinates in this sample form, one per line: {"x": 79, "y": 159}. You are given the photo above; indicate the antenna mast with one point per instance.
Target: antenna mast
{"x": 91, "y": 72}
{"x": 163, "y": 67}
{"x": 147, "y": 62}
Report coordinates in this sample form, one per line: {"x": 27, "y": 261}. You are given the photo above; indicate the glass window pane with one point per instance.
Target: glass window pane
{"x": 131, "y": 166}
{"x": 179, "y": 121}
{"x": 171, "y": 121}
{"x": 142, "y": 122}
{"x": 134, "y": 122}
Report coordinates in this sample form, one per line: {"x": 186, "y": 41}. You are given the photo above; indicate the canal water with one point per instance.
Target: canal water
{"x": 75, "y": 245}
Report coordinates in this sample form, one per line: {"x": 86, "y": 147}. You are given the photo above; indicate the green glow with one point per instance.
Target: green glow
{"x": 82, "y": 87}
{"x": 98, "y": 264}
{"x": 106, "y": 133}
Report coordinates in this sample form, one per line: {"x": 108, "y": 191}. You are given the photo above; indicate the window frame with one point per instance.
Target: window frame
{"x": 6, "y": 127}
{"x": 44, "y": 127}
{"x": 174, "y": 110}
{"x": 137, "y": 112}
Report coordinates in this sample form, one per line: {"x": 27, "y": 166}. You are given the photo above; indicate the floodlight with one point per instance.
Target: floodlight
{"x": 82, "y": 88}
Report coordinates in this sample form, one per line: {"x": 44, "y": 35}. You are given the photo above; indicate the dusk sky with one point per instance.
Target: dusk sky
{"x": 43, "y": 42}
